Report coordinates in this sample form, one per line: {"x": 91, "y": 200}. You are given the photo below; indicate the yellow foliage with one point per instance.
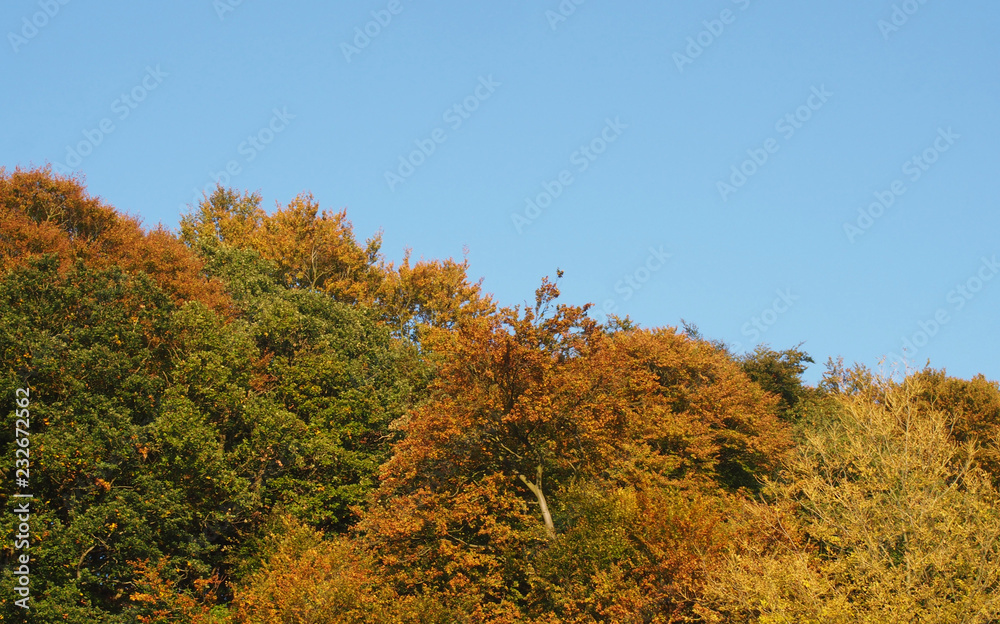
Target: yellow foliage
{"x": 887, "y": 519}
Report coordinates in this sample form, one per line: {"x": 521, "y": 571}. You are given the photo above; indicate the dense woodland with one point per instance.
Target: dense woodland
{"x": 258, "y": 419}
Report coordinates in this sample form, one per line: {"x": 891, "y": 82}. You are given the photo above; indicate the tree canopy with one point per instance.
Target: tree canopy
{"x": 259, "y": 419}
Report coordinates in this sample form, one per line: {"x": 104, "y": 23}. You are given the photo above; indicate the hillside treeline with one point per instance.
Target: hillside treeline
{"x": 258, "y": 419}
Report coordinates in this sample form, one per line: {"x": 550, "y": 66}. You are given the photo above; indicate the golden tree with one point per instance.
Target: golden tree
{"x": 882, "y": 517}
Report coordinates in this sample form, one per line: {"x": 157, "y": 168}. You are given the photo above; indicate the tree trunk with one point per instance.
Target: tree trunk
{"x": 536, "y": 489}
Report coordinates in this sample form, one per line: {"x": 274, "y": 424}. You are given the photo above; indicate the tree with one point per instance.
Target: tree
{"x": 42, "y": 213}
{"x": 889, "y": 520}
{"x": 325, "y": 382}
{"x": 779, "y": 372}
{"x": 313, "y": 249}
{"x": 973, "y": 407}
{"x": 317, "y": 251}
{"x": 434, "y": 293}
{"x": 226, "y": 216}
{"x": 108, "y": 436}
{"x": 529, "y": 407}
{"x": 169, "y": 430}
{"x": 304, "y": 577}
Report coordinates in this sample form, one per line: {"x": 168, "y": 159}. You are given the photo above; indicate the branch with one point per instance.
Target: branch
{"x": 536, "y": 489}
{"x": 80, "y": 562}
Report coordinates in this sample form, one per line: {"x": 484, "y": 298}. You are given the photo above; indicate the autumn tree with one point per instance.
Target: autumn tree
{"x": 429, "y": 293}
{"x": 973, "y": 407}
{"x": 227, "y": 217}
{"x": 887, "y": 518}
{"x": 314, "y": 249}
{"x": 532, "y": 408}
{"x": 300, "y": 575}
{"x": 42, "y": 212}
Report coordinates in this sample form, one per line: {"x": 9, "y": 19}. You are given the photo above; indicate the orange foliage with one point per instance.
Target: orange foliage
{"x": 42, "y": 212}
{"x": 974, "y": 407}
{"x": 435, "y": 293}
{"x": 527, "y": 406}
{"x": 306, "y": 578}
{"x": 706, "y": 420}
{"x": 159, "y": 600}
{"x": 316, "y": 250}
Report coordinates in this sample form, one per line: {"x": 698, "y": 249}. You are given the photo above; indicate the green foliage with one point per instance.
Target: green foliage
{"x": 324, "y": 384}
{"x": 779, "y": 373}
{"x": 107, "y": 476}
{"x": 164, "y": 430}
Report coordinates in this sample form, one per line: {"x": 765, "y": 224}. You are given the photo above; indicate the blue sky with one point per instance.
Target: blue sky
{"x": 775, "y": 172}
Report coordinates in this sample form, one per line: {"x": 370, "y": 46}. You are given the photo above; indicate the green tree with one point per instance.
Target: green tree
{"x": 168, "y": 430}
{"x": 780, "y": 373}
{"x": 108, "y": 435}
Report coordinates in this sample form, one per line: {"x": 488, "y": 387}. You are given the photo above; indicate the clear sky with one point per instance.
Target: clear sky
{"x": 779, "y": 172}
